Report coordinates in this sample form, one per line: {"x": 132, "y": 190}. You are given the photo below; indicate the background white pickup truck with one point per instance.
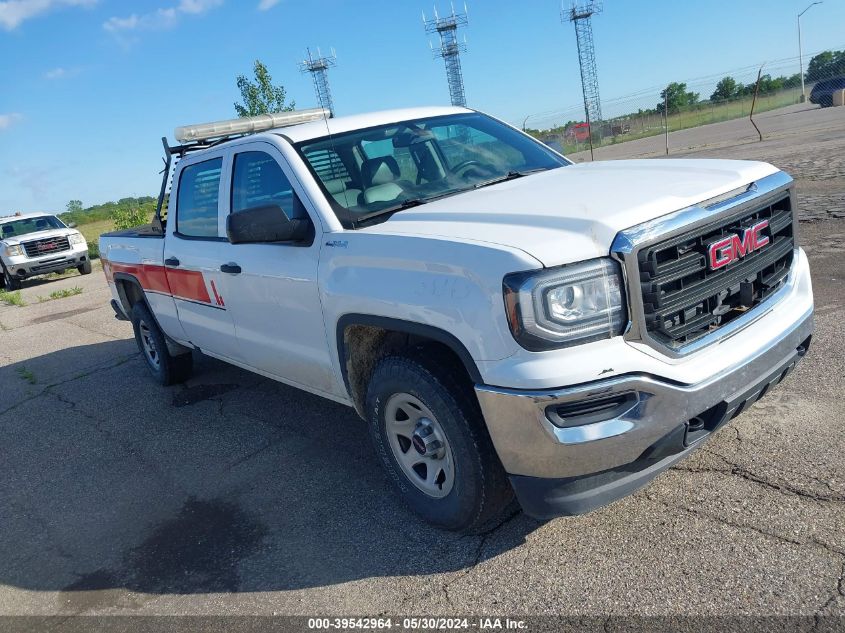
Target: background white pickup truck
{"x": 509, "y": 324}
{"x": 36, "y": 244}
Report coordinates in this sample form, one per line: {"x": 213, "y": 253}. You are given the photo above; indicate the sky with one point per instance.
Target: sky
{"x": 89, "y": 87}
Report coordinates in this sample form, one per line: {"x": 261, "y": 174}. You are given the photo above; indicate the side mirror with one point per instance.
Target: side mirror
{"x": 71, "y": 225}
{"x": 266, "y": 224}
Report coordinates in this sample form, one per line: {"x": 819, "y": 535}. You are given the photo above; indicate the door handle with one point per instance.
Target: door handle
{"x": 172, "y": 262}
{"x": 231, "y": 268}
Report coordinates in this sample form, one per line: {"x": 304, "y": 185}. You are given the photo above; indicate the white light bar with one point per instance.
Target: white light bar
{"x": 248, "y": 125}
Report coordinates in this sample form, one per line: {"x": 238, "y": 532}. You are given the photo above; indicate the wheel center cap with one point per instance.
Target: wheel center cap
{"x": 419, "y": 444}
{"x": 426, "y": 441}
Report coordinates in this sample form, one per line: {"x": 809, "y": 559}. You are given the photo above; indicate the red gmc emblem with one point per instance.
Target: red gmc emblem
{"x": 43, "y": 246}
{"x": 733, "y": 247}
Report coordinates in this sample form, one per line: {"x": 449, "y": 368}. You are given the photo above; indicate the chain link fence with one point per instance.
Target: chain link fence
{"x": 690, "y": 103}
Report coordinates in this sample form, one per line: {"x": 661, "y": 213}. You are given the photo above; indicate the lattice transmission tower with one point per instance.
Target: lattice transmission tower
{"x": 450, "y": 50}
{"x": 319, "y": 68}
{"x": 580, "y": 15}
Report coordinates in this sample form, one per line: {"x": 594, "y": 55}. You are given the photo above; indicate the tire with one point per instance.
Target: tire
{"x": 84, "y": 268}
{"x": 467, "y": 489}
{"x": 10, "y": 282}
{"x": 164, "y": 367}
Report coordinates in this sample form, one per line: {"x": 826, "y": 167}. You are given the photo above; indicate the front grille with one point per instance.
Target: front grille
{"x": 684, "y": 299}
{"x": 35, "y": 248}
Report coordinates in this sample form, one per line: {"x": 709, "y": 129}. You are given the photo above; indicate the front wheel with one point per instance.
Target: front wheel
{"x": 84, "y": 268}
{"x": 429, "y": 433}
{"x": 166, "y": 368}
{"x": 10, "y": 281}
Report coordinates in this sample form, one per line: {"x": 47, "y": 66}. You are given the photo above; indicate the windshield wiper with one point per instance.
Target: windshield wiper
{"x": 405, "y": 204}
{"x": 511, "y": 175}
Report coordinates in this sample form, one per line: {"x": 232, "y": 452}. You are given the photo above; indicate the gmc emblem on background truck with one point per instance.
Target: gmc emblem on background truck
{"x": 733, "y": 247}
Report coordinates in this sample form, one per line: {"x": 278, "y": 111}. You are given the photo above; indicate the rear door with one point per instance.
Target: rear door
{"x": 273, "y": 297}
{"x": 192, "y": 257}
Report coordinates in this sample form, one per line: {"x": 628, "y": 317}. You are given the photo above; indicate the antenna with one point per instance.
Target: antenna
{"x": 450, "y": 49}
{"x": 580, "y": 16}
{"x": 318, "y": 67}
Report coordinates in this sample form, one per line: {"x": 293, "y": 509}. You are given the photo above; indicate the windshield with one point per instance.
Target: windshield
{"x": 373, "y": 172}
{"x": 16, "y": 228}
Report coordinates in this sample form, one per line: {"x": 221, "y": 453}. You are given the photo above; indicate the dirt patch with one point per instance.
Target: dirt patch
{"x": 198, "y": 393}
{"x": 198, "y": 550}
{"x": 56, "y": 316}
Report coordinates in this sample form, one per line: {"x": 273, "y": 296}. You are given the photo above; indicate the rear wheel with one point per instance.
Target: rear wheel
{"x": 84, "y": 268}
{"x": 166, "y": 368}
{"x": 431, "y": 438}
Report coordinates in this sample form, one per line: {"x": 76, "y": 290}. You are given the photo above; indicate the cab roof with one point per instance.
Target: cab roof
{"x": 339, "y": 125}
{"x": 24, "y": 216}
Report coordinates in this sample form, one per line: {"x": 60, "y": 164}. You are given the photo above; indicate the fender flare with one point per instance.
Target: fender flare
{"x": 174, "y": 347}
{"x": 406, "y": 327}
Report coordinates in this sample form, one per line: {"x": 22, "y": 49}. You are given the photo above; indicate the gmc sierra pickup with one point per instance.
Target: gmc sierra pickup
{"x": 508, "y": 323}
{"x": 36, "y": 244}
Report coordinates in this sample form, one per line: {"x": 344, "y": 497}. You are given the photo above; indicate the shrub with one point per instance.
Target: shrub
{"x": 94, "y": 249}
{"x": 129, "y": 217}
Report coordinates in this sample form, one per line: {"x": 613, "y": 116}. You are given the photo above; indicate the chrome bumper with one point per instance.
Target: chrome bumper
{"x": 529, "y": 444}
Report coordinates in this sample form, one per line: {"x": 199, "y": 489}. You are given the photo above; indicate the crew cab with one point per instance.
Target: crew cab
{"x": 508, "y": 324}
{"x": 36, "y": 244}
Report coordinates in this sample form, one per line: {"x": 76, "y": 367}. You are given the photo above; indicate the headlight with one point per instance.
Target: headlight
{"x": 76, "y": 238}
{"x": 15, "y": 250}
{"x": 565, "y": 306}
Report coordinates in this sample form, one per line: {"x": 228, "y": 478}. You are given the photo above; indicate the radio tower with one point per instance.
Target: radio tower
{"x": 450, "y": 50}
{"x": 318, "y": 67}
{"x": 581, "y": 16}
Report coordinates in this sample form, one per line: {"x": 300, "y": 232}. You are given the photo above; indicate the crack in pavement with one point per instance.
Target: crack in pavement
{"x": 85, "y": 374}
{"x": 838, "y": 592}
{"x": 738, "y": 470}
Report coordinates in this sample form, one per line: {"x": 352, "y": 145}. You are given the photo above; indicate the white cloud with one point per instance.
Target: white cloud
{"x": 8, "y": 120}
{"x": 14, "y": 12}
{"x": 198, "y": 6}
{"x": 266, "y": 5}
{"x": 61, "y": 73}
{"x": 164, "y": 18}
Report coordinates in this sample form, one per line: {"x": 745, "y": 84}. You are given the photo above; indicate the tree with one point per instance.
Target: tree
{"x": 675, "y": 95}
{"x": 725, "y": 89}
{"x": 824, "y": 65}
{"x": 74, "y": 206}
{"x": 261, "y": 96}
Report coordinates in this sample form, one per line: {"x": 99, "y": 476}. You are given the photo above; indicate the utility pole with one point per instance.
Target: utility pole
{"x": 319, "y": 68}
{"x": 450, "y": 50}
{"x": 801, "y": 52}
{"x": 580, "y": 16}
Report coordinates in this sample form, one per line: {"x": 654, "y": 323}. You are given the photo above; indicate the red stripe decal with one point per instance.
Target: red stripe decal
{"x": 217, "y": 296}
{"x": 181, "y": 284}
{"x": 188, "y": 284}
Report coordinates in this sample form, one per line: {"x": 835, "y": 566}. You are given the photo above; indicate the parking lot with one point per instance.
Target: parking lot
{"x": 233, "y": 494}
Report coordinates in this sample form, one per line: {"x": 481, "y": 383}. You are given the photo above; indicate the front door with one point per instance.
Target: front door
{"x": 192, "y": 259}
{"x": 273, "y": 295}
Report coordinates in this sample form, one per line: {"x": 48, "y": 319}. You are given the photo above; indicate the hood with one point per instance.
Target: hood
{"x": 573, "y": 213}
{"x": 37, "y": 235}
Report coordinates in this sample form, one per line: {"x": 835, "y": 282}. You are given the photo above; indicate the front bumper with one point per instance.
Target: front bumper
{"x": 24, "y": 267}
{"x": 657, "y": 422}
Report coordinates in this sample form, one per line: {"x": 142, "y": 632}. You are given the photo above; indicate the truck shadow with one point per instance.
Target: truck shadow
{"x": 229, "y": 483}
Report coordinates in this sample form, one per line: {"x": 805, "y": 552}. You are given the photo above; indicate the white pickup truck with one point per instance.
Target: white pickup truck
{"x": 509, "y": 324}
{"x": 36, "y": 244}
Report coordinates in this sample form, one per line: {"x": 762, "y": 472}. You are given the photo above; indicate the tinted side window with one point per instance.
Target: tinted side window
{"x": 258, "y": 181}
{"x": 199, "y": 188}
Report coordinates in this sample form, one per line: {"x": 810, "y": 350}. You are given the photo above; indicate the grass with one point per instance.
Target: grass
{"x": 61, "y": 294}
{"x": 643, "y": 126}
{"x": 92, "y": 230}
{"x": 27, "y": 375}
{"x": 12, "y": 298}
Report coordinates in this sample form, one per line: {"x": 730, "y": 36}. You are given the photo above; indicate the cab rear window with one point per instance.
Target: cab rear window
{"x": 199, "y": 191}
